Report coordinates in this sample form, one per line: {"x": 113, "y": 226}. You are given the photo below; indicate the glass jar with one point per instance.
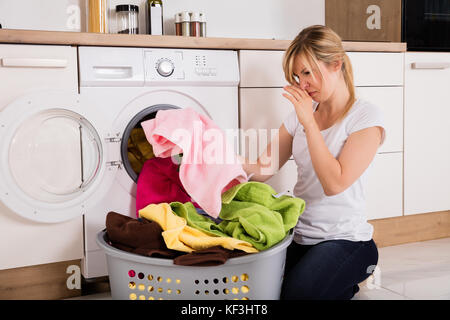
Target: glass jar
{"x": 185, "y": 24}
{"x": 127, "y": 19}
{"x": 195, "y": 24}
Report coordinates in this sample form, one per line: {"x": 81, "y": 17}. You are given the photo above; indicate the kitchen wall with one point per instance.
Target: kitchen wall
{"x": 265, "y": 19}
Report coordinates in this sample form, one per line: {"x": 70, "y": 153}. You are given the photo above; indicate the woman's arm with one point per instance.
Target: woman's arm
{"x": 272, "y": 159}
{"x": 336, "y": 175}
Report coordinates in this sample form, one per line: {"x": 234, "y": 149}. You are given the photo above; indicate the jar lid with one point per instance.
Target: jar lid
{"x": 177, "y": 17}
{"x": 185, "y": 16}
{"x": 127, "y": 7}
{"x": 195, "y": 16}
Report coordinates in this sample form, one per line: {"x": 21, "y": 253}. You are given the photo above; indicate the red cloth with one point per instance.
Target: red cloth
{"x": 158, "y": 182}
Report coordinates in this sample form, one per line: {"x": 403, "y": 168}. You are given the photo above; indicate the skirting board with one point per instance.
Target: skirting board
{"x": 411, "y": 228}
{"x": 59, "y": 280}
{"x": 50, "y": 281}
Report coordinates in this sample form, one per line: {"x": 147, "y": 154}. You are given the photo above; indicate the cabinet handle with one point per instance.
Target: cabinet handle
{"x": 125, "y": 72}
{"x": 430, "y": 65}
{"x": 34, "y": 63}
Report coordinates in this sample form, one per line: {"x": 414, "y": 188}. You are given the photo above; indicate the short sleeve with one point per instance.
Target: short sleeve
{"x": 367, "y": 115}
{"x": 291, "y": 123}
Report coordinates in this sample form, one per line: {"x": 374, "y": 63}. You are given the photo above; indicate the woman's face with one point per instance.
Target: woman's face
{"x": 321, "y": 86}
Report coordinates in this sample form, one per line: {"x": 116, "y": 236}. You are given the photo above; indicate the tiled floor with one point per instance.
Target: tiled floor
{"x": 413, "y": 271}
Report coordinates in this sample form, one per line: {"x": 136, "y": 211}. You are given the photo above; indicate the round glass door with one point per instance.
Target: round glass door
{"x": 54, "y": 155}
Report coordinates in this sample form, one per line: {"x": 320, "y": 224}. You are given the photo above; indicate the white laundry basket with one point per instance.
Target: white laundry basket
{"x": 253, "y": 276}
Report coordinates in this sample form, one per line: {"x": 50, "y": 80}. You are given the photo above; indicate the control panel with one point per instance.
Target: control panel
{"x": 190, "y": 67}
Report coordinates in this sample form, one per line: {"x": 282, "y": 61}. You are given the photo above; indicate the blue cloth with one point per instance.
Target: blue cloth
{"x": 203, "y": 213}
{"x": 329, "y": 270}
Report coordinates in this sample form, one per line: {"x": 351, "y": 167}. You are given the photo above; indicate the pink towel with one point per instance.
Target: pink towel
{"x": 159, "y": 182}
{"x": 208, "y": 167}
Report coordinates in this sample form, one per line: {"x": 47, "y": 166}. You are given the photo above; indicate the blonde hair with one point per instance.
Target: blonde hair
{"x": 319, "y": 43}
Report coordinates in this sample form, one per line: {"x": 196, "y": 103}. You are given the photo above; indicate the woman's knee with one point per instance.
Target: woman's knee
{"x": 298, "y": 288}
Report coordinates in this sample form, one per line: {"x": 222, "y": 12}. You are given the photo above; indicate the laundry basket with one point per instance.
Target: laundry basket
{"x": 253, "y": 276}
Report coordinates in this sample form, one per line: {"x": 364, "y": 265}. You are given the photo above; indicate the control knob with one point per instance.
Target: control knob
{"x": 165, "y": 67}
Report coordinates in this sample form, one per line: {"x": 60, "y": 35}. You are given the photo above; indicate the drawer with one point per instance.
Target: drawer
{"x": 262, "y": 109}
{"x": 26, "y": 68}
{"x": 390, "y": 100}
{"x": 384, "y": 187}
{"x": 285, "y": 179}
{"x": 261, "y": 68}
{"x": 377, "y": 68}
{"x": 265, "y": 69}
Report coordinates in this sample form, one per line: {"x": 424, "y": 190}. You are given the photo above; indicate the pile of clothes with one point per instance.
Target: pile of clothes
{"x": 195, "y": 211}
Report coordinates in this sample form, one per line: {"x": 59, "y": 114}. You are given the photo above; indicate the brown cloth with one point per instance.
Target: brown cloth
{"x": 213, "y": 256}
{"x": 137, "y": 236}
{"x": 144, "y": 237}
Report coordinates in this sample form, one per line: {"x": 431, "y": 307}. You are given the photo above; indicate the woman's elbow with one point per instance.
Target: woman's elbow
{"x": 333, "y": 190}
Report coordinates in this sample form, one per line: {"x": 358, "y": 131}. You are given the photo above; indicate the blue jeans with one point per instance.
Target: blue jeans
{"x": 329, "y": 270}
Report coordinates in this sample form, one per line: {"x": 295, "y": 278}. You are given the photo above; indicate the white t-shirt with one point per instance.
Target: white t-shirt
{"x": 342, "y": 216}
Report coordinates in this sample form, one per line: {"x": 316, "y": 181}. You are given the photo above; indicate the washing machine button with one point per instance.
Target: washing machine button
{"x": 165, "y": 67}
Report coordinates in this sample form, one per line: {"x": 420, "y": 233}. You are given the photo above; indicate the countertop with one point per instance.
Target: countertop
{"x": 143, "y": 40}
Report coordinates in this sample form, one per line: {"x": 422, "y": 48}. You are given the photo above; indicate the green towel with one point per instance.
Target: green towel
{"x": 196, "y": 220}
{"x": 251, "y": 212}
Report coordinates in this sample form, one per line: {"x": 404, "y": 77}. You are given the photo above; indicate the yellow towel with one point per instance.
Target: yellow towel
{"x": 179, "y": 236}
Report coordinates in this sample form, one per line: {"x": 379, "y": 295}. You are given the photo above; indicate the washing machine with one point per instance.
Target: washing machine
{"x": 39, "y": 156}
{"x": 120, "y": 88}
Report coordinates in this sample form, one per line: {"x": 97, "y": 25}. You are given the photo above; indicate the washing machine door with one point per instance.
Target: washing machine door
{"x": 51, "y": 157}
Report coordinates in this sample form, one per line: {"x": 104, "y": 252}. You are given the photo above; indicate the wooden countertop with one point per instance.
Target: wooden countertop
{"x": 142, "y": 40}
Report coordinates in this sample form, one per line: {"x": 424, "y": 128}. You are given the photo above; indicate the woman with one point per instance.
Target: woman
{"x": 333, "y": 137}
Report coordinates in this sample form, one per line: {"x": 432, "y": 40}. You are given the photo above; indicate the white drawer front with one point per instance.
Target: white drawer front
{"x": 390, "y": 100}
{"x": 377, "y": 68}
{"x": 25, "y": 68}
{"x": 264, "y": 68}
{"x": 261, "y": 69}
{"x": 384, "y": 186}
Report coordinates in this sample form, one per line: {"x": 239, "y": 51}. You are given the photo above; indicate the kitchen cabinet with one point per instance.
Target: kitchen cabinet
{"x": 427, "y": 132}
{"x": 378, "y": 78}
{"x": 384, "y": 186}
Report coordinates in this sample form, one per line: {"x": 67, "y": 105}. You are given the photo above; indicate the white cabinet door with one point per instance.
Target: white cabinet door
{"x": 390, "y": 101}
{"x": 261, "y": 111}
{"x": 384, "y": 186}
{"x": 427, "y": 132}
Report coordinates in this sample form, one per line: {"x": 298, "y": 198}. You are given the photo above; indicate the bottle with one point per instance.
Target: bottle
{"x": 202, "y": 25}
{"x": 178, "y": 24}
{"x": 127, "y": 19}
{"x": 155, "y": 17}
{"x": 185, "y": 23}
{"x": 195, "y": 25}
{"x": 97, "y": 16}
